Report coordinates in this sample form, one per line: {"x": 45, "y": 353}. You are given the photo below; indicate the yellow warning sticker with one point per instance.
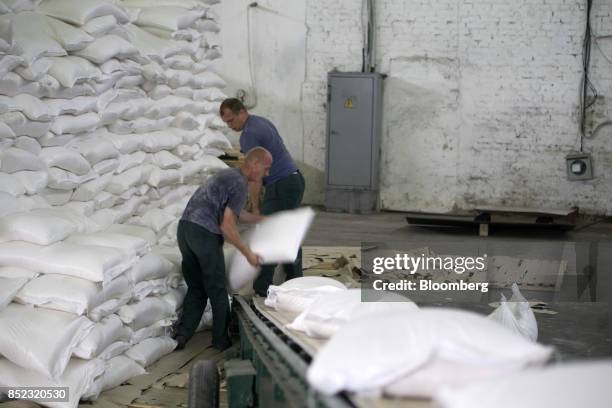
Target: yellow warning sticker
{"x": 348, "y": 103}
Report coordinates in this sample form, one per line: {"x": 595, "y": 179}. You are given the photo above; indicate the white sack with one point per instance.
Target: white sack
{"x": 9, "y": 287}
{"x": 102, "y": 335}
{"x": 69, "y": 37}
{"x": 75, "y": 124}
{"x": 11, "y": 185}
{"x": 14, "y": 159}
{"x": 130, "y": 245}
{"x": 23, "y": 328}
{"x": 146, "y": 312}
{"x": 568, "y": 385}
{"x": 142, "y": 232}
{"x": 516, "y": 315}
{"x": 32, "y": 107}
{"x": 324, "y": 317}
{"x": 64, "y": 180}
{"x": 107, "y": 47}
{"x": 277, "y": 239}
{"x": 157, "y": 329}
{"x": 70, "y": 294}
{"x": 118, "y": 370}
{"x": 83, "y": 11}
{"x": 150, "y": 350}
{"x": 168, "y": 17}
{"x": 175, "y": 297}
{"x": 297, "y": 294}
{"x": 36, "y": 226}
{"x": 28, "y": 144}
{"x": 418, "y": 341}
{"x": 97, "y": 264}
{"x": 78, "y": 377}
{"x": 66, "y": 159}
{"x": 17, "y": 273}
{"x": 31, "y": 36}
{"x": 87, "y": 191}
{"x": 33, "y": 181}
{"x": 151, "y": 266}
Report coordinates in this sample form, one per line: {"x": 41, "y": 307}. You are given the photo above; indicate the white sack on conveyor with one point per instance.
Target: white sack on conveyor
{"x": 78, "y": 377}
{"x": 33, "y": 181}
{"x": 13, "y": 160}
{"x": 9, "y": 287}
{"x": 277, "y": 239}
{"x": 568, "y": 385}
{"x": 97, "y": 264}
{"x": 297, "y": 294}
{"x": 516, "y": 315}
{"x": 83, "y": 11}
{"x": 31, "y": 36}
{"x": 11, "y": 185}
{"x": 323, "y": 318}
{"x": 146, "y": 312}
{"x": 416, "y": 349}
{"x": 108, "y": 331}
{"x": 107, "y": 47}
{"x": 117, "y": 371}
{"x": 66, "y": 159}
{"x": 24, "y": 328}
{"x": 72, "y": 295}
{"x": 130, "y": 245}
{"x": 150, "y": 350}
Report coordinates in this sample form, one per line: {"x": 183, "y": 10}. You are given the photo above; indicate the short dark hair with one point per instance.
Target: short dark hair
{"x": 233, "y": 104}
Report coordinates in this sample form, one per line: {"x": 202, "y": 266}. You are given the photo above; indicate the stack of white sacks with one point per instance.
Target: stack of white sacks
{"x": 108, "y": 124}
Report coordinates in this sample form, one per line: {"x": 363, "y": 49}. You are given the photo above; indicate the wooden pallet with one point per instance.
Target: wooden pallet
{"x": 483, "y": 217}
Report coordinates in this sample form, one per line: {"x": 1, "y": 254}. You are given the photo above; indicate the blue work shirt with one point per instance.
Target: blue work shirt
{"x": 261, "y": 132}
{"x": 227, "y": 188}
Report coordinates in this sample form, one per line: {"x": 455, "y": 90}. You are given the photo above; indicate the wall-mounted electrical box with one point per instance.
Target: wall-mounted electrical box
{"x": 579, "y": 166}
{"x": 354, "y": 110}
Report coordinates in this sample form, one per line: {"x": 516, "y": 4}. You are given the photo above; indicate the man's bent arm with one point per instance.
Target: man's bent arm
{"x": 250, "y": 218}
{"x": 231, "y": 234}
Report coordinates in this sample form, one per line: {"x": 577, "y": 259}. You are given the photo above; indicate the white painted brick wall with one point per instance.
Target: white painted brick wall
{"x": 481, "y": 100}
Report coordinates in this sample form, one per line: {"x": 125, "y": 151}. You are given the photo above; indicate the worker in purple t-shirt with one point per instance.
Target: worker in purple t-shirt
{"x": 284, "y": 186}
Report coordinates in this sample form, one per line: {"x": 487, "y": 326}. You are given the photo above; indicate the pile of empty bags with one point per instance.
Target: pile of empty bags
{"x": 389, "y": 347}
{"x": 108, "y": 124}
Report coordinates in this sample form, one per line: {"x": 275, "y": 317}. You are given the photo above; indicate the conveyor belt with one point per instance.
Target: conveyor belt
{"x": 311, "y": 346}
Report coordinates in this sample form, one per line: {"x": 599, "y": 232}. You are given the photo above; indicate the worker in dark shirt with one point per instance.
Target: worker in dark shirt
{"x": 208, "y": 219}
{"x": 284, "y": 186}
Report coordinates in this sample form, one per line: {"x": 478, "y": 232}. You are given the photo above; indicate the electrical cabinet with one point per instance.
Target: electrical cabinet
{"x": 354, "y": 110}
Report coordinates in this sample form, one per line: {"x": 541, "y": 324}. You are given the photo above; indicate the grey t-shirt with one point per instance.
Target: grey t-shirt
{"x": 227, "y": 188}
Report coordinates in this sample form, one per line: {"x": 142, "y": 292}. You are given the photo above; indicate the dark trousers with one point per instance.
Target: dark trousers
{"x": 285, "y": 194}
{"x": 204, "y": 271}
